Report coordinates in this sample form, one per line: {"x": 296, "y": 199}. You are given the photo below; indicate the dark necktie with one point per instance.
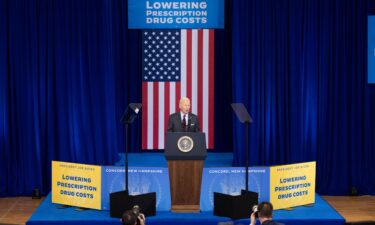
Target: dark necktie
{"x": 184, "y": 123}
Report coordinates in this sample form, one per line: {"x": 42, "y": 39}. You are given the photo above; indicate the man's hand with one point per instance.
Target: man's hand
{"x": 252, "y": 219}
{"x": 142, "y": 219}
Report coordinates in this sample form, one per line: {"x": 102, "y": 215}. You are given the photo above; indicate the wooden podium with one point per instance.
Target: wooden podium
{"x": 185, "y": 153}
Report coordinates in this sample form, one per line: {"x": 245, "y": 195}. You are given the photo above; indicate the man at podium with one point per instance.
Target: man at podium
{"x": 183, "y": 121}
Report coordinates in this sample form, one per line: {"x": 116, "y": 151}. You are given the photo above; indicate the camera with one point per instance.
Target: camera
{"x": 137, "y": 210}
{"x": 255, "y": 211}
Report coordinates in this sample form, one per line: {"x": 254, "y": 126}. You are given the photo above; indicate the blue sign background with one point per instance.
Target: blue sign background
{"x": 158, "y": 14}
{"x": 231, "y": 180}
{"x": 228, "y": 180}
{"x": 141, "y": 180}
{"x": 371, "y": 49}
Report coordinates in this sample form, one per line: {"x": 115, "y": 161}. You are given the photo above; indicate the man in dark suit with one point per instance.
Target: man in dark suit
{"x": 183, "y": 121}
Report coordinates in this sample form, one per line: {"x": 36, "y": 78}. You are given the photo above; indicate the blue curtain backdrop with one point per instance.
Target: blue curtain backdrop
{"x": 301, "y": 69}
{"x": 69, "y": 68}
{"x": 67, "y": 71}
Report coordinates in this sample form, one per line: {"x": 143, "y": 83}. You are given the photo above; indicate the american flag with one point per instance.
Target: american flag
{"x": 175, "y": 64}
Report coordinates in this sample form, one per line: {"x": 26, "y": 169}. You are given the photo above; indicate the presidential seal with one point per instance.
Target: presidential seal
{"x": 185, "y": 144}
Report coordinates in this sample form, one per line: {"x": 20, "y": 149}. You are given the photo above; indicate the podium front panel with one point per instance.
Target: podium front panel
{"x": 174, "y": 149}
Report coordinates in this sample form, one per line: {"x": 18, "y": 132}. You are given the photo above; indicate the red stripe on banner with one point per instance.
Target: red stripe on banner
{"x": 200, "y": 77}
{"x": 188, "y": 63}
{"x": 144, "y": 115}
{"x": 211, "y": 89}
{"x": 156, "y": 115}
{"x": 166, "y": 105}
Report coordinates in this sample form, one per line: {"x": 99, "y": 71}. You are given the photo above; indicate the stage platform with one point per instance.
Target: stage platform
{"x": 47, "y": 213}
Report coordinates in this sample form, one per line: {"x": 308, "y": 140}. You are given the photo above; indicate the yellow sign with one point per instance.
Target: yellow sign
{"x": 292, "y": 185}
{"x": 76, "y": 184}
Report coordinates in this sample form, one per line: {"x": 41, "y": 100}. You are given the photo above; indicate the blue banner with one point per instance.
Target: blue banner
{"x": 227, "y": 180}
{"x": 371, "y": 49}
{"x": 141, "y": 180}
{"x": 178, "y": 14}
{"x": 231, "y": 180}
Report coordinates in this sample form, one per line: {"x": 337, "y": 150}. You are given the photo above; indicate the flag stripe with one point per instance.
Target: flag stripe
{"x": 150, "y": 107}
{"x": 205, "y": 83}
{"x": 166, "y": 106}
{"x": 178, "y": 95}
{"x": 144, "y": 115}
{"x": 172, "y": 98}
{"x": 183, "y": 63}
{"x": 211, "y": 89}
{"x": 194, "y": 74}
{"x": 161, "y": 116}
{"x": 155, "y": 114}
{"x": 200, "y": 76}
{"x": 188, "y": 63}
